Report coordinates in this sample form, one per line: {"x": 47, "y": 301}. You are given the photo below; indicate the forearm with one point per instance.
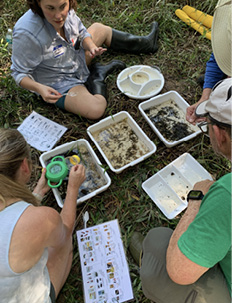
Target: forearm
{"x": 190, "y": 214}
{"x": 180, "y": 269}
{"x": 88, "y": 43}
{"x": 205, "y": 95}
{"x": 31, "y": 85}
{"x": 68, "y": 213}
{"x": 187, "y": 218}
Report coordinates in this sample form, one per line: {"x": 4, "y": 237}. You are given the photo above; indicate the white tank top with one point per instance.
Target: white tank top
{"x": 32, "y": 286}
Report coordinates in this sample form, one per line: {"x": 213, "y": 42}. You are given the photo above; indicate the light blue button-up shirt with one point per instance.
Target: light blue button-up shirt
{"x": 40, "y": 53}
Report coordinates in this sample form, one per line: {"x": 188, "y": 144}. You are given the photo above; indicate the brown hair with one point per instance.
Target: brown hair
{"x": 13, "y": 150}
{"x": 34, "y": 6}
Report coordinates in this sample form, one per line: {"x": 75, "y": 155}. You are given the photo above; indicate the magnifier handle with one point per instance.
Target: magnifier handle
{"x": 54, "y": 185}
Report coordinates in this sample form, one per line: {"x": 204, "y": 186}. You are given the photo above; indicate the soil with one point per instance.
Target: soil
{"x": 120, "y": 144}
{"x": 170, "y": 120}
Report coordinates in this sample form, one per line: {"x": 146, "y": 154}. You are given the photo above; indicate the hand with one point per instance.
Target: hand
{"x": 49, "y": 94}
{"x": 190, "y": 112}
{"x": 204, "y": 186}
{"x": 76, "y": 177}
{"x": 42, "y": 186}
{"x": 96, "y": 51}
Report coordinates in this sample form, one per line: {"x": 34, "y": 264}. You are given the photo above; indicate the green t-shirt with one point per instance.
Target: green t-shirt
{"x": 207, "y": 241}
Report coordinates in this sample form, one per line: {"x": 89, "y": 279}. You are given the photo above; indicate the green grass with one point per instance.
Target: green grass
{"x": 182, "y": 56}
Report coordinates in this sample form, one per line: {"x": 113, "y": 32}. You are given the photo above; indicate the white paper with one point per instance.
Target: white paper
{"x": 40, "y": 132}
{"x": 105, "y": 271}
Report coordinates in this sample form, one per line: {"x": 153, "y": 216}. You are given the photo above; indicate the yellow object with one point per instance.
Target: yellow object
{"x": 195, "y": 25}
{"x": 198, "y": 16}
{"x": 74, "y": 159}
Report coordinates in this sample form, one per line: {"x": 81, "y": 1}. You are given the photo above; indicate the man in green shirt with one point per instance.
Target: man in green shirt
{"x": 192, "y": 264}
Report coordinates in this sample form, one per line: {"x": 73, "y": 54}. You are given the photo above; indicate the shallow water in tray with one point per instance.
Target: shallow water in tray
{"x": 120, "y": 144}
{"x": 94, "y": 178}
{"x": 170, "y": 120}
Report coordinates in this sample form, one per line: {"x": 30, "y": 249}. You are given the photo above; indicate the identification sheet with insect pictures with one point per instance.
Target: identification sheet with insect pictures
{"x": 105, "y": 271}
{"x": 40, "y": 132}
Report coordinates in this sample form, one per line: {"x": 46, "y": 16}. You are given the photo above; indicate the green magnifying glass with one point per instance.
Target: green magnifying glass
{"x": 56, "y": 171}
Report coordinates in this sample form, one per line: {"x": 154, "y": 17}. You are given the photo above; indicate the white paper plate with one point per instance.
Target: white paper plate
{"x": 140, "y": 82}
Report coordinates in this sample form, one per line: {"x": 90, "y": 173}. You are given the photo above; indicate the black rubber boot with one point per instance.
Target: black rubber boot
{"x": 129, "y": 43}
{"x": 98, "y": 72}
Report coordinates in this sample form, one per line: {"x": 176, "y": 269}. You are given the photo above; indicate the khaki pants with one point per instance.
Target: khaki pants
{"x": 158, "y": 287}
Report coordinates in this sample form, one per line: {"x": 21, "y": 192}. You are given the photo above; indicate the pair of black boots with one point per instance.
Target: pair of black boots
{"x": 123, "y": 42}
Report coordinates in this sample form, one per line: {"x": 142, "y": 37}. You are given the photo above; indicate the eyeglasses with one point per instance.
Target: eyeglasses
{"x": 204, "y": 127}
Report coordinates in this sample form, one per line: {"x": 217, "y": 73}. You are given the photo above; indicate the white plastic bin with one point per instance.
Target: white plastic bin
{"x": 137, "y": 131}
{"x": 169, "y": 187}
{"x": 181, "y": 103}
{"x": 62, "y": 149}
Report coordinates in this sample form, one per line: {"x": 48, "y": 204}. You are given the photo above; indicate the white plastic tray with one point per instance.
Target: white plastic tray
{"x": 136, "y": 129}
{"x": 140, "y": 82}
{"x": 169, "y": 187}
{"x": 155, "y": 101}
{"x": 65, "y": 148}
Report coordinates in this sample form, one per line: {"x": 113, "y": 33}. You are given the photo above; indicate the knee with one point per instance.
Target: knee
{"x": 97, "y": 26}
{"x": 98, "y": 108}
{"x": 157, "y": 239}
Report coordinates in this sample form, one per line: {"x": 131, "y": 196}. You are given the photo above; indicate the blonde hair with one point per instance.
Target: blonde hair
{"x": 13, "y": 150}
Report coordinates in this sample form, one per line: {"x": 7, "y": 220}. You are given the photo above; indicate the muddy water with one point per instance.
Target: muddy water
{"x": 170, "y": 120}
{"x": 120, "y": 144}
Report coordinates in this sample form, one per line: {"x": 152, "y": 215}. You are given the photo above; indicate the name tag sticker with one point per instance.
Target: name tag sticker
{"x": 58, "y": 51}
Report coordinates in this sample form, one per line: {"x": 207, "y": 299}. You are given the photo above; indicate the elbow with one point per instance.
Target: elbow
{"x": 179, "y": 276}
{"x": 179, "y": 279}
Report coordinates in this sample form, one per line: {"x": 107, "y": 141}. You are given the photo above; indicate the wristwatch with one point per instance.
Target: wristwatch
{"x": 195, "y": 195}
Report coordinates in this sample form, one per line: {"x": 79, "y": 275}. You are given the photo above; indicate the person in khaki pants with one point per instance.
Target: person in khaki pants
{"x": 192, "y": 264}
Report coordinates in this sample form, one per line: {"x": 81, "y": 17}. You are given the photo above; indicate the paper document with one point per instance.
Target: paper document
{"x": 105, "y": 271}
{"x": 40, "y": 132}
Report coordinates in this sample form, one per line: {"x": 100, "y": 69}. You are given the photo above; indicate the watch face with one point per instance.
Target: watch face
{"x": 195, "y": 194}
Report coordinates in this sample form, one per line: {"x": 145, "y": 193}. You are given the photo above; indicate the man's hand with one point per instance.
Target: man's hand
{"x": 190, "y": 112}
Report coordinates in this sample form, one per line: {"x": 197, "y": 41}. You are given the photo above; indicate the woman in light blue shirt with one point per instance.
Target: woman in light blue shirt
{"x": 52, "y": 49}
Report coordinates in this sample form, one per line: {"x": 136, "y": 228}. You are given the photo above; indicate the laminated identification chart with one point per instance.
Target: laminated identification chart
{"x": 104, "y": 267}
{"x": 40, "y": 132}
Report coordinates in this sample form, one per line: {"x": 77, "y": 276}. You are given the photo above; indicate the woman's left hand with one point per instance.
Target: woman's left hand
{"x": 97, "y": 51}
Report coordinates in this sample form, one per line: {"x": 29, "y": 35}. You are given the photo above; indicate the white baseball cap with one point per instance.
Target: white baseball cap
{"x": 219, "y": 105}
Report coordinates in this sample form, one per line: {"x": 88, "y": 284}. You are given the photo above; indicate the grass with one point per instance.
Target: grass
{"x": 182, "y": 56}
